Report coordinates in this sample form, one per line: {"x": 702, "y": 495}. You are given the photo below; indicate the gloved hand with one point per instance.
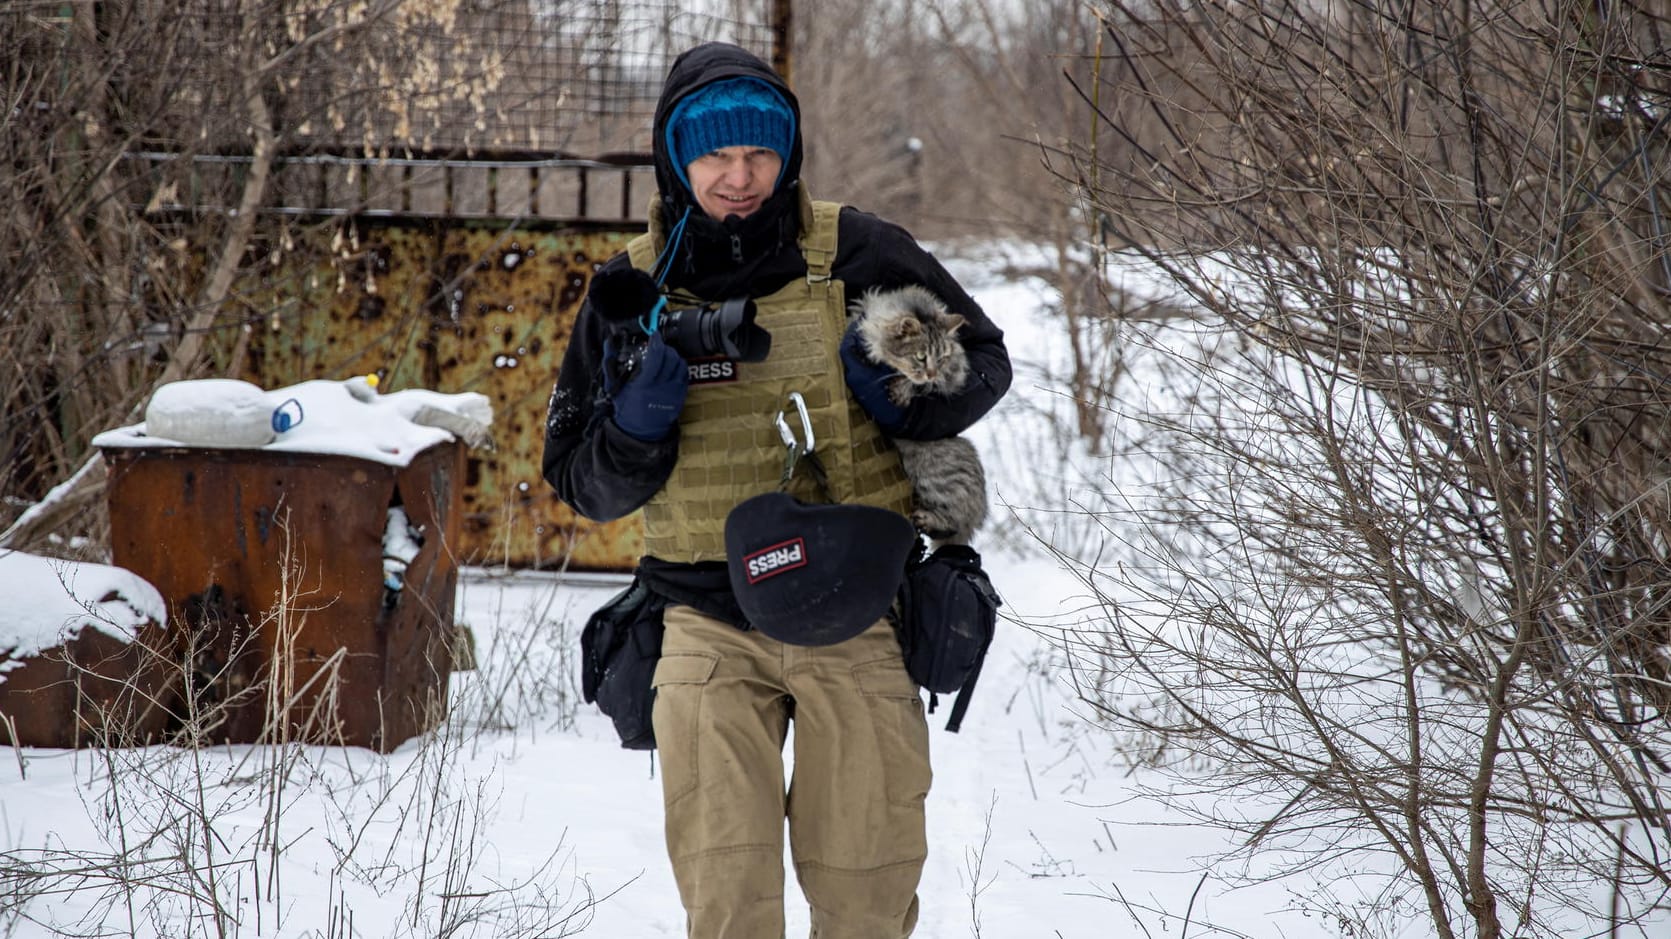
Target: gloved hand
{"x": 869, "y": 383}
{"x": 623, "y": 295}
{"x": 648, "y": 403}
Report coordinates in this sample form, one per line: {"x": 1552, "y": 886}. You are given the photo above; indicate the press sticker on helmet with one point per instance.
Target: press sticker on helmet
{"x": 845, "y": 564}
{"x": 776, "y": 559}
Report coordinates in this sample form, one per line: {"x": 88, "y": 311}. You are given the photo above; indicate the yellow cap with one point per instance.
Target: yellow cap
{"x": 371, "y": 379}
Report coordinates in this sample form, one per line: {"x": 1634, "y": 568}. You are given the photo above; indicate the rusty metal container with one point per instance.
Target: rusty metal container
{"x": 271, "y": 564}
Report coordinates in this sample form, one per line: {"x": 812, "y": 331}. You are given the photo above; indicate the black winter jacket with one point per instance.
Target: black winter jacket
{"x": 604, "y": 473}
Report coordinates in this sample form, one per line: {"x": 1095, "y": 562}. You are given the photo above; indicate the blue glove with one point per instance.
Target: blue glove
{"x": 869, "y": 383}
{"x": 648, "y": 404}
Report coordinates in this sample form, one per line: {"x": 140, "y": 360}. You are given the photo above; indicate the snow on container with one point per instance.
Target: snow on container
{"x": 211, "y": 412}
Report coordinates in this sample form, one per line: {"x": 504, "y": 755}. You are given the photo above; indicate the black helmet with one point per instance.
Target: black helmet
{"x": 814, "y": 575}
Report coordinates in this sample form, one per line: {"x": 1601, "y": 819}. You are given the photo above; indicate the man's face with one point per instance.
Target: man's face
{"x": 733, "y": 180}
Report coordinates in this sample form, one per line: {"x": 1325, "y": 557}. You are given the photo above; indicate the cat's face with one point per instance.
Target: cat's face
{"x": 926, "y": 351}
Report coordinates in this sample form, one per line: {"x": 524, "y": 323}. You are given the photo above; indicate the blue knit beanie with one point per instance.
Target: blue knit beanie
{"x": 737, "y": 112}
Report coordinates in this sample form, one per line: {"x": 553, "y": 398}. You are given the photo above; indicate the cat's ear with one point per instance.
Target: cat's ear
{"x": 907, "y": 327}
{"x": 952, "y": 321}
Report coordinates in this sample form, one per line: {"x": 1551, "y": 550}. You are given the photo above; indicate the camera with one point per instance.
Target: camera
{"x": 705, "y": 331}
{"x": 727, "y": 329}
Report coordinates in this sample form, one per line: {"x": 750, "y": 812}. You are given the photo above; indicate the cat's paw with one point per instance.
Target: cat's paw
{"x": 900, "y": 391}
{"x": 933, "y": 524}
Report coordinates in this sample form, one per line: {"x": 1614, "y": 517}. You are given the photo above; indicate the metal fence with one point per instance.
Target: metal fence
{"x": 488, "y": 109}
{"x": 520, "y": 77}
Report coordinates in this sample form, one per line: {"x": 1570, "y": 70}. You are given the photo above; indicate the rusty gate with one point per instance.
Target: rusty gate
{"x": 431, "y": 305}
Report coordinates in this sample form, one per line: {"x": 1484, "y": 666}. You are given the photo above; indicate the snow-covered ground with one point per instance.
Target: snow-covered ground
{"x": 1033, "y": 831}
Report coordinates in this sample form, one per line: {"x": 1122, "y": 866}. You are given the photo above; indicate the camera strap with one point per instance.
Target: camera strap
{"x": 654, "y": 317}
{"x": 800, "y": 449}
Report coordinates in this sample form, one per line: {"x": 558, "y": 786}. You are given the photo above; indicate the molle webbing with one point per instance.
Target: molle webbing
{"x": 729, "y": 448}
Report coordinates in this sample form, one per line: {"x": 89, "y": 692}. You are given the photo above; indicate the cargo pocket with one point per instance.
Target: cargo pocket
{"x": 679, "y": 683}
{"x": 896, "y": 711}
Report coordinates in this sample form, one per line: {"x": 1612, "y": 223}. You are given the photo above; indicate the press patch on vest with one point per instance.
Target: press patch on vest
{"x": 775, "y": 560}
{"x": 715, "y": 371}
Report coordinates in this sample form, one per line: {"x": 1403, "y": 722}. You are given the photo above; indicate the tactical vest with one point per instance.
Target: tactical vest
{"x": 729, "y": 444}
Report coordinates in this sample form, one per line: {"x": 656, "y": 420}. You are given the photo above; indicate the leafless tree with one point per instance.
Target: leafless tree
{"x": 939, "y": 115}
{"x": 853, "y": 74}
{"x": 1402, "y": 584}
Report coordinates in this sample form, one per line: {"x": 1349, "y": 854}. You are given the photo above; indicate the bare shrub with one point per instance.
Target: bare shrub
{"x": 933, "y": 113}
{"x": 198, "y": 838}
{"x": 1400, "y": 559}
{"x": 526, "y": 667}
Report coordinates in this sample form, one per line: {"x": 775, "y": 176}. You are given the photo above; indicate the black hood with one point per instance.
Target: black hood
{"x": 704, "y": 65}
{"x": 705, "y": 261}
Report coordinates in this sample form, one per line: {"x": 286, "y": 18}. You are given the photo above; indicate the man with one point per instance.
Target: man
{"x": 633, "y": 424}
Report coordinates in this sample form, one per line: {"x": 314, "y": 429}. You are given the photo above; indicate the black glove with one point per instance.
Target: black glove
{"x": 623, "y": 296}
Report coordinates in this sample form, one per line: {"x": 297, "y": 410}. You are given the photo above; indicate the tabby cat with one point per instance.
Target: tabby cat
{"x": 910, "y": 330}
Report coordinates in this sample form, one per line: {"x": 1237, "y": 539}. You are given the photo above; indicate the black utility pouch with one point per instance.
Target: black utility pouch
{"x": 619, "y": 649}
{"x": 948, "y": 614}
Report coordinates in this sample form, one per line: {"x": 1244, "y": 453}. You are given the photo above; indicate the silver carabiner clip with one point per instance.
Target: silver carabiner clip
{"x": 807, "y": 443}
{"x": 795, "y": 449}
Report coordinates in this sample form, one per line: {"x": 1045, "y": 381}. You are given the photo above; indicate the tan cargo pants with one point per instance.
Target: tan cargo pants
{"x": 724, "y": 698}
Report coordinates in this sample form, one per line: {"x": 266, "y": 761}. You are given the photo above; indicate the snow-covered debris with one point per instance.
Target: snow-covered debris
{"x": 50, "y": 601}
{"x": 401, "y": 543}
{"x": 211, "y": 412}
{"x": 347, "y": 418}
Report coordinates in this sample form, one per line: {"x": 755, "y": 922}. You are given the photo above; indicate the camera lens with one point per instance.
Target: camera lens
{"x": 706, "y": 331}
